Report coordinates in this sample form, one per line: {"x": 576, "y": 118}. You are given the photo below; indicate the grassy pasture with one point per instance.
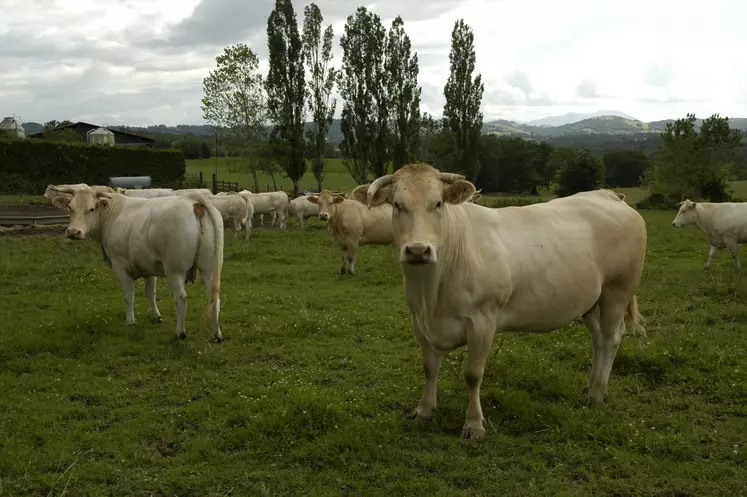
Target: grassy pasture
{"x": 310, "y": 394}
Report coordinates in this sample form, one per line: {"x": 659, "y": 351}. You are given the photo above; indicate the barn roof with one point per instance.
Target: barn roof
{"x": 94, "y": 126}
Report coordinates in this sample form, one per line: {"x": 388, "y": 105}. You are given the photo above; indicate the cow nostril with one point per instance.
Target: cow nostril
{"x": 427, "y": 251}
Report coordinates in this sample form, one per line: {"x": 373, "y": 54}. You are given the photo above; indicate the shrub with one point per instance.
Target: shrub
{"x": 28, "y": 166}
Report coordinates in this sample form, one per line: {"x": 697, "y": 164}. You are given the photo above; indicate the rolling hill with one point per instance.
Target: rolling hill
{"x": 597, "y": 125}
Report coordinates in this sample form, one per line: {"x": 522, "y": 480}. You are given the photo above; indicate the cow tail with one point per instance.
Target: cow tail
{"x": 635, "y": 316}
{"x": 217, "y": 220}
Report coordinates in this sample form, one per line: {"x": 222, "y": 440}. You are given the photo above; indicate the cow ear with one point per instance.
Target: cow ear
{"x": 313, "y": 199}
{"x": 339, "y": 199}
{"x": 383, "y": 196}
{"x": 61, "y": 201}
{"x": 459, "y": 191}
{"x": 103, "y": 203}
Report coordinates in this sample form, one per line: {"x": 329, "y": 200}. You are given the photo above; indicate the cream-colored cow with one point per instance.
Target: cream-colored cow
{"x": 724, "y": 225}
{"x": 352, "y": 224}
{"x": 470, "y": 271}
{"x": 171, "y": 237}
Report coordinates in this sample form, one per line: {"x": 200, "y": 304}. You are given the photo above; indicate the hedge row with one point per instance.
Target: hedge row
{"x": 29, "y": 165}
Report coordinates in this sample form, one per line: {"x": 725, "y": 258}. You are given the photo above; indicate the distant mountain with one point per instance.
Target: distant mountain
{"x": 574, "y": 117}
{"x": 598, "y": 125}
{"x": 609, "y": 125}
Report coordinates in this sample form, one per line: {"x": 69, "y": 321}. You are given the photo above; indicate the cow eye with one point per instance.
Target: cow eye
{"x": 91, "y": 209}
{"x": 396, "y": 205}
{"x": 438, "y": 204}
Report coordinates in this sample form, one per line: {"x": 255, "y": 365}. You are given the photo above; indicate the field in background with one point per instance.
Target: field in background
{"x": 309, "y": 396}
{"x": 234, "y": 169}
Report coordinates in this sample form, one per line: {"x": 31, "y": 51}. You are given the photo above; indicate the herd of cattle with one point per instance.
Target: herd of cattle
{"x": 469, "y": 270}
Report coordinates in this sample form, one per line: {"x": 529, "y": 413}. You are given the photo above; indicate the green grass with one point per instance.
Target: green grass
{"x": 310, "y": 394}
{"x": 233, "y": 169}
{"x": 22, "y": 199}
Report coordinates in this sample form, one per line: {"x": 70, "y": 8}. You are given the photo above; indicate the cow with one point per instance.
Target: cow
{"x": 236, "y": 207}
{"x": 724, "y": 225}
{"x": 302, "y": 209}
{"x": 170, "y": 237}
{"x": 471, "y": 271}
{"x": 146, "y": 192}
{"x": 353, "y": 224}
{"x": 270, "y": 203}
{"x": 184, "y": 191}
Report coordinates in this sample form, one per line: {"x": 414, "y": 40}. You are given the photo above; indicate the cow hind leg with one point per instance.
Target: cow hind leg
{"x": 128, "y": 288}
{"x": 606, "y": 339}
{"x": 350, "y": 258}
{"x": 207, "y": 277}
{"x": 176, "y": 285}
{"x": 150, "y": 294}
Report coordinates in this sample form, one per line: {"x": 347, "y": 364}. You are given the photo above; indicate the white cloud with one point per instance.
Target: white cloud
{"x": 142, "y": 61}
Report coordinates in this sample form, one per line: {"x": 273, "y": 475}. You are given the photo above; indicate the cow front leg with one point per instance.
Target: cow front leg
{"x": 606, "y": 339}
{"x": 350, "y": 257}
{"x": 479, "y": 340}
{"x": 712, "y": 253}
{"x": 176, "y": 285}
{"x": 150, "y": 294}
{"x": 128, "y": 288}
{"x": 431, "y": 368}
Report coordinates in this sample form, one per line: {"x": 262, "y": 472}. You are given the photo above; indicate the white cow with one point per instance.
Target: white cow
{"x": 302, "y": 209}
{"x": 470, "y": 271}
{"x": 169, "y": 237}
{"x": 235, "y": 207}
{"x": 203, "y": 191}
{"x": 269, "y": 202}
{"x": 352, "y": 224}
{"x": 146, "y": 192}
{"x": 724, "y": 225}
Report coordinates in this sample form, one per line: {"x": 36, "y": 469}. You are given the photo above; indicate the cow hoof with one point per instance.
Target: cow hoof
{"x": 218, "y": 339}
{"x": 157, "y": 319}
{"x": 473, "y": 431}
{"x": 420, "y": 414}
{"x": 181, "y": 336}
{"x": 131, "y": 324}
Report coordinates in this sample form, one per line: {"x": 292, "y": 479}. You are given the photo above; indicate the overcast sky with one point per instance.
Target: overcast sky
{"x": 142, "y": 62}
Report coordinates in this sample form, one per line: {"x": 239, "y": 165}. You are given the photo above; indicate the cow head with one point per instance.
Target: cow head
{"x": 686, "y": 215}
{"x": 327, "y": 203}
{"x": 420, "y": 196}
{"x": 84, "y": 206}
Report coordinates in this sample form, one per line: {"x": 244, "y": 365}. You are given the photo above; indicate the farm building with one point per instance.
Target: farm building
{"x": 90, "y": 133}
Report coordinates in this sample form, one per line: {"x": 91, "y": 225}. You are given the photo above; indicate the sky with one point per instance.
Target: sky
{"x": 142, "y": 62}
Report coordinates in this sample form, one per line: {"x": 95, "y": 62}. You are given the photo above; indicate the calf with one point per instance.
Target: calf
{"x": 170, "y": 237}
{"x": 470, "y": 271}
{"x": 302, "y": 209}
{"x": 724, "y": 224}
{"x": 352, "y": 224}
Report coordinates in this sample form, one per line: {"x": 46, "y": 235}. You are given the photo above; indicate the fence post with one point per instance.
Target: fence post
{"x": 215, "y": 185}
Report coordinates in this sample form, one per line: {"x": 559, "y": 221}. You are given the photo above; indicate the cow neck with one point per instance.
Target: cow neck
{"x": 105, "y": 219}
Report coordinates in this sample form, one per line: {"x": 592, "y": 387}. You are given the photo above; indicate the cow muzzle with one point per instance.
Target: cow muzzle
{"x": 74, "y": 233}
{"x": 418, "y": 253}
{"x": 323, "y": 216}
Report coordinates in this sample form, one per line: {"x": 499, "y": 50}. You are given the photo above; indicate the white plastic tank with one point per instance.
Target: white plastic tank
{"x": 12, "y": 126}
{"x": 100, "y": 136}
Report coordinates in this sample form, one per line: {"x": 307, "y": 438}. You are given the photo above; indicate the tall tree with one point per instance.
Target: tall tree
{"x": 404, "y": 94}
{"x": 286, "y": 87}
{"x": 463, "y": 98}
{"x": 689, "y": 164}
{"x": 363, "y": 83}
{"x": 318, "y": 54}
{"x": 234, "y": 98}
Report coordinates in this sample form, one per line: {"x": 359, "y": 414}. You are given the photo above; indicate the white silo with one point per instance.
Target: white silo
{"x": 100, "y": 136}
{"x": 12, "y": 126}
